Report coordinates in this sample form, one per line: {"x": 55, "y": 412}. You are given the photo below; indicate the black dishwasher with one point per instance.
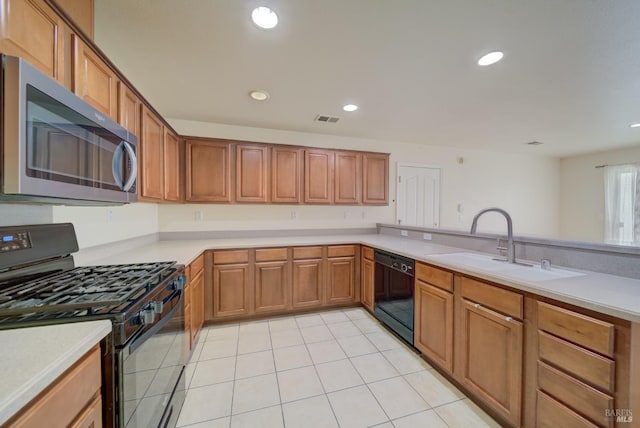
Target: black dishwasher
{"x": 394, "y": 289}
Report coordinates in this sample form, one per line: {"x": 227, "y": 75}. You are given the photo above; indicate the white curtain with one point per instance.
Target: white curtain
{"x": 622, "y": 204}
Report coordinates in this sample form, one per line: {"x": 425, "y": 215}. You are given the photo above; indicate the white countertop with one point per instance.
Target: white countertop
{"x": 34, "y": 357}
{"x": 609, "y": 294}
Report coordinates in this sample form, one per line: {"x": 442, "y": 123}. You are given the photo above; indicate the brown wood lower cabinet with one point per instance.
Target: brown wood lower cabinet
{"x": 433, "y": 334}
{"x": 308, "y": 277}
{"x": 341, "y": 272}
{"x": 489, "y": 358}
{"x": 231, "y": 288}
{"x": 197, "y": 305}
{"x": 72, "y": 400}
{"x": 367, "y": 276}
{"x": 272, "y": 286}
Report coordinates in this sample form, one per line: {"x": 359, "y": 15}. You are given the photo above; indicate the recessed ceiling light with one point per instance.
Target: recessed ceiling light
{"x": 350, "y": 107}
{"x": 264, "y": 17}
{"x": 635, "y": 125}
{"x": 490, "y": 58}
{"x": 259, "y": 95}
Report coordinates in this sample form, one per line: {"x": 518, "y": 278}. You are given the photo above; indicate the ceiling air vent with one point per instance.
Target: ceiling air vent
{"x": 535, "y": 143}
{"x": 326, "y": 119}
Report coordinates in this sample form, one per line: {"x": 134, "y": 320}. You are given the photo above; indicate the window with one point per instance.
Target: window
{"x": 622, "y": 204}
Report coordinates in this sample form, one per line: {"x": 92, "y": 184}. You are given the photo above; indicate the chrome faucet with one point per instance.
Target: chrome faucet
{"x": 511, "y": 246}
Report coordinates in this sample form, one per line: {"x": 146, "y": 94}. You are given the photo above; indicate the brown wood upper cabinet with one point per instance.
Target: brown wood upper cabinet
{"x": 252, "y": 173}
{"x": 32, "y": 30}
{"x": 93, "y": 80}
{"x": 375, "y": 179}
{"x": 151, "y": 157}
{"x": 81, "y": 13}
{"x": 208, "y": 170}
{"x": 318, "y": 176}
{"x": 347, "y": 178}
{"x": 172, "y": 190}
{"x": 286, "y": 175}
{"x": 129, "y": 109}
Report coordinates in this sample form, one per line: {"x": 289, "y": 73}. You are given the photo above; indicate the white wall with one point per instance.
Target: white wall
{"x": 17, "y": 214}
{"x": 95, "y": 226}
{"x": 582, "y": 192}
{"x": 526, "y": 186}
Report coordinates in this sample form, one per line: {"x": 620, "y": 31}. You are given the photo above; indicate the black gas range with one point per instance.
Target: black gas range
{"x": 144, "y": 357}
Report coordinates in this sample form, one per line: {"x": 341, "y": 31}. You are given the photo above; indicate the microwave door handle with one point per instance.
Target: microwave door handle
{"x": 115, "y": 165}
{"x": 134, "y": 166}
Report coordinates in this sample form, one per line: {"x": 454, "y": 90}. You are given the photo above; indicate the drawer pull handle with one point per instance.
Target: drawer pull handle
{"x": 509, "y": 319}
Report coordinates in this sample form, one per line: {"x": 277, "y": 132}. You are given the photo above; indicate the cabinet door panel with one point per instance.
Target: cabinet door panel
{"x": 375, "y": 179}
{"x": 307, "y": 283}
{"x": 197, "y": 305}
{"x": 251, "y": 173}
{"x": 318, "y": 176}
{"x": 491, "y": 358}
{"x": 93, "y": 79}
{"x": 230, "y": 290}
{"x": 33, "y": 31}
{"x": 341, "y": 280}
{"x": 347, "y": 178}
{"x": 368, "y": 276}
{"x": 434, "y": 324}
{"x": 286, "y": 175}
{"x": 129, "y": 109}
{"x": 272, "y": 286}
{"x": 208, "y": 171}
{"x": 171, "y": 167}
{"x": 151, "y": 162}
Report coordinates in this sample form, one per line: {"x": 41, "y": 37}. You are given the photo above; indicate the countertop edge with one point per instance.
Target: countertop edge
{"x": 48, "y": 374}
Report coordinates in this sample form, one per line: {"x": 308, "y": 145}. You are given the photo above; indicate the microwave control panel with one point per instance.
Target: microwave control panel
{"x": 14, "y": 241}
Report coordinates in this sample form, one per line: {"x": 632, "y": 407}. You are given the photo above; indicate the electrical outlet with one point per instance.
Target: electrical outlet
{"x": 364, "y": 215}
{"x": 294, "y": 215}
{"x": 427, "y": 236}
{"x": 109, "y": 217}
{"x": 198, "y": 216}
{"x": 347, "y": 214}
{"x": 404, "y": 233}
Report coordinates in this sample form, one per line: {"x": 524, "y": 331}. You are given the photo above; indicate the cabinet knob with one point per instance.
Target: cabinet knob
{"x": 509, "y": 319}
{"x": 477, "y": 305}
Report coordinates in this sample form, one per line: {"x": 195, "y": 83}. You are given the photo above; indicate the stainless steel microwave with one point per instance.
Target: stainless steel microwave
{"x": 57, "y": 148}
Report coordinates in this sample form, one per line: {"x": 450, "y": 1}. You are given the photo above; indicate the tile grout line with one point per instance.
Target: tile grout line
{"x": 275, "y": 373}
{"x": 235, "y": 370}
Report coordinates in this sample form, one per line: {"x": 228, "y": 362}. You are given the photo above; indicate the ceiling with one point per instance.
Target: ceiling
{"x": 570, "y": 77}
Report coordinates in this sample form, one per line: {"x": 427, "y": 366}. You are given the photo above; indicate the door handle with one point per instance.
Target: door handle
{"x": 116, "y": 163}
{"x": 134, "y": 167}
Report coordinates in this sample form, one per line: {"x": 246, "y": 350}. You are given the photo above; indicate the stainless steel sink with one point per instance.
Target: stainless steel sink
{"x": 489, "y": 264}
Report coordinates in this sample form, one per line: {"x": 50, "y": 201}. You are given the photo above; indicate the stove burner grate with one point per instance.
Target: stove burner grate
{"x": 90, "y": 288}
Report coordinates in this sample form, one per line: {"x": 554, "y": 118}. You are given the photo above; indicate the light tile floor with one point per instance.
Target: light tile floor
{"x": 339, "y": 368}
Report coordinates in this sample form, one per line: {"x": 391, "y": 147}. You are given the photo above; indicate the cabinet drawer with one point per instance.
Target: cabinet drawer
{"x": 581, "y": 397}
{"x": 434, "y": 276}
{"x": 196, "y": 265}
{"x": 588, "y": 366}
{"x": 230, "y": 256}
{"x": 577, "y": 328}
{"x": 68, "y": 396}
{"x": 342, "y": 250}
{"x": 271, "y": 254}
{"x": 551, "y": 414}
{"x": 504, "y": 301}
{"x": 307, "y": 253}
{"x": 367, "y": 252}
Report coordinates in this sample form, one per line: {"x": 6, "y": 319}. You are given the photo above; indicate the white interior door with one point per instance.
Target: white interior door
{"x": 418, "y": 195}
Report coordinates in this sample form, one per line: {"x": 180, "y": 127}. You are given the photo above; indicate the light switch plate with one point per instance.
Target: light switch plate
{"x": 404, "y": 233}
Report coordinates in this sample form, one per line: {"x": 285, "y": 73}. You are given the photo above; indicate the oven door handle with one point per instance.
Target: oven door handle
{"x": 139, "y": 341}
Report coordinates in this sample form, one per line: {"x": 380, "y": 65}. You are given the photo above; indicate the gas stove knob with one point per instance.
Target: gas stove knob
{"x": 179, "y": 282}
{"x": 147, "y": 316}
{"x": 157, "y": 307}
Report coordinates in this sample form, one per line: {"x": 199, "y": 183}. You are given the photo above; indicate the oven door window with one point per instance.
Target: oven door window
{"x": 64, "y": 146}
{"x": 151, "y": 372}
